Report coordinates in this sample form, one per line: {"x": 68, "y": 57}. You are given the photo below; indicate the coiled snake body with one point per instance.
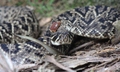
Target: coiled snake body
{"x": 90, "y": 21}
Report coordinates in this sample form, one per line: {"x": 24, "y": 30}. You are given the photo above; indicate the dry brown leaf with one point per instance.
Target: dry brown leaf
{"x": 110, "y": 69}
{"x": 24, "y": 66}
{"x": 44, "y": 21}
{"x": 76, "y": 61}
{"x": 52, "y": 60}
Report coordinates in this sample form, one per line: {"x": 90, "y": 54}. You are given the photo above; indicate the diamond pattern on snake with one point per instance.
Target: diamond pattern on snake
{"x": 90, "y": 21}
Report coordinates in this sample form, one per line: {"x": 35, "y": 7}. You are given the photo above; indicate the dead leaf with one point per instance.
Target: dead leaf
{"x": 52, "y": 60}
{"x": 44, "y": 21}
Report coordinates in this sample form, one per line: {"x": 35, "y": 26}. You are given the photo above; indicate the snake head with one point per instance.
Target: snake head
{"x": 60, "y": 35}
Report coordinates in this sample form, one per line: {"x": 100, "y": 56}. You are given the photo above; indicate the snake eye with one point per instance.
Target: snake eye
{"x": 55, "y": 25}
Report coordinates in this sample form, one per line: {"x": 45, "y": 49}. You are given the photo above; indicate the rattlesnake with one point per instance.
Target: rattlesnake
{"x": 21, "y": 21}
{"x": 89, "y": 21}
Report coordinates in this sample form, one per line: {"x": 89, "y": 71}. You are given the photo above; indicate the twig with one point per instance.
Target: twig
{"x": 81, "y": 46}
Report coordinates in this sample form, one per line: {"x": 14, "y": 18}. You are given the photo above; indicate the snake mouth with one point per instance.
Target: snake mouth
{"x": 62, "y": 38}
{"x": 57, "y": 43}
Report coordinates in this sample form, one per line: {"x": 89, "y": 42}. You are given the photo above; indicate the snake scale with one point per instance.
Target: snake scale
{"x": 89, "y": 21}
